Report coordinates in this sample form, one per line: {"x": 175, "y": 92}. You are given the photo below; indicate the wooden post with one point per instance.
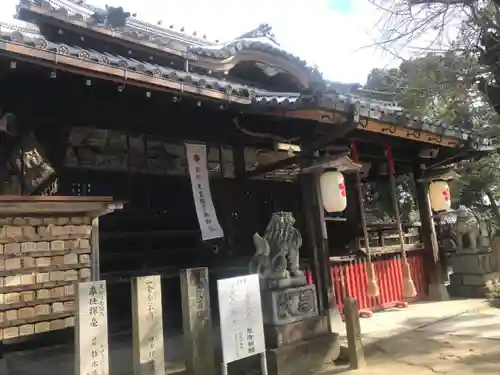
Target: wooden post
{"x": 353, "y": 330}
{"x": 147, "y": 326}
{"x": 372, "y": 288}
{"x": 197, "y": 322}
{"x": 319, "y": 258}
{"x": 241, "y": 202}
{"x": 437, "y": 288}
{"x": 91, "y": 329}
{"x": 94, "y": 247}
{"x": 3, "y": 361}
{"x": 409, "y": 290}
{"x": 315, "y": 256}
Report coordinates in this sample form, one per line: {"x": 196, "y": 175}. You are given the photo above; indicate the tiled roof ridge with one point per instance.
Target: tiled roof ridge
{"x": 27, "y": 34}
{"x": 258, "y": 42}
{"x": 86, "y": 10}
{"x": 262, "y": 30}
{"x": 260, "y": 39}
{"x": 229, "y": 48}
{"x": 20, "y": 26}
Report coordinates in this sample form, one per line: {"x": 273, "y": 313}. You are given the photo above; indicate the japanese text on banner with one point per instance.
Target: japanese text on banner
{"x": 205, "y": 210}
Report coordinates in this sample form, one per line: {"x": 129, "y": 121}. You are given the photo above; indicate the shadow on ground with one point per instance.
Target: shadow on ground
{"x": 466, "y": 343}
{"x": 463, "y": 344}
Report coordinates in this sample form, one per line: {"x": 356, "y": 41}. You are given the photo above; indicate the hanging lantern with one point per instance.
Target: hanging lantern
{"x": 333, "y": 191}
{"x": 439, "y": 195}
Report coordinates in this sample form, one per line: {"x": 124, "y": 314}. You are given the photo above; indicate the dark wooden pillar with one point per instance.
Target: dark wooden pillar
{"x": 437, "y": 288}
{"x": 241, "y": 201}
{"x": 319, "y": 258}
{"x": 3, "y": 361}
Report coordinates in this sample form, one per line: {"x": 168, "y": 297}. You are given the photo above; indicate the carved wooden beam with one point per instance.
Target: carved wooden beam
{"x": 307, "y": 151}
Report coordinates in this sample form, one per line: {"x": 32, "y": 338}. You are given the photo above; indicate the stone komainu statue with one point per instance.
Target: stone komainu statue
{"x": 470, "y": 230}
{"x": 277, "y": 253}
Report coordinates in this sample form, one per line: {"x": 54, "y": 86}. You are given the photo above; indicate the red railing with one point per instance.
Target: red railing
{"x": 349, "y": 278}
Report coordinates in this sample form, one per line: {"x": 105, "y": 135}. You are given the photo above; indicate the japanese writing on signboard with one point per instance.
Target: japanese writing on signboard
{"x": 153, "y": 315}
{"x": 97, "y": 304}
{"x": 205, "y": 210}
{"x": 148, "y": 340}
{"x": 98, "y": 354}
{"x": 92, "y": 329}
{"x": 198, "y": 293}
{"x": 151, "y": 296}
{"x": 242, "y": 326}
{"x": 242, "y": 305}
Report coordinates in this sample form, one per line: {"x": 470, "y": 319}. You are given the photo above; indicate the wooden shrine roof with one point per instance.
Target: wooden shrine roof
{"x": 206, "y": 64}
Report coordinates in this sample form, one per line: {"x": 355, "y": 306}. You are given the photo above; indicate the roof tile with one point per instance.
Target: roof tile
{"x": 325, "y": 98}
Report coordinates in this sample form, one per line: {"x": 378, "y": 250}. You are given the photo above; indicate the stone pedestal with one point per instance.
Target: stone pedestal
{"x": 298, "y": 340}
{"x": 285, "y": 306}
{"x": 471, "y": 272}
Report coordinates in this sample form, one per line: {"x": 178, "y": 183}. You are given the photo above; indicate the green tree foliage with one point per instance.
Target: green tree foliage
{"x": 443, "y": 87}
{"x": 436, "y": 86}
{"x": 379, "y": 201}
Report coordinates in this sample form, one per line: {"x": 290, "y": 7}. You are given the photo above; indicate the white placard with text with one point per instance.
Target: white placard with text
{"x": 205, "y": 210}
{"x": 91, "y": 346}
{"x": 241, "y": 322}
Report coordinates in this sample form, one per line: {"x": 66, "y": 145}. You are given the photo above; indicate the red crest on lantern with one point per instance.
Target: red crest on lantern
{"x": 333, "y": 191}
{"x": 439, "y": 195}
{"x": 342, "y": 189}
{"x": 446, "y": 194}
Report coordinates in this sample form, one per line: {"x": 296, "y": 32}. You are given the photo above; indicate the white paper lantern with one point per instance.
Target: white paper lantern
{"x": 439, "y": 195}
{"x": 333, "y": 191}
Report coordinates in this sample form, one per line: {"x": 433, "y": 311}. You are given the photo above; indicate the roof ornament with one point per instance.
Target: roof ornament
{"x": 112, "y": 17}
{"x": 264, "y": 30}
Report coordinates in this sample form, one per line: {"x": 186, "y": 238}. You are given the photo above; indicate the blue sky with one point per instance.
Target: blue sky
{"x": 341, "y": 6}
{"x": 328, "y": 33}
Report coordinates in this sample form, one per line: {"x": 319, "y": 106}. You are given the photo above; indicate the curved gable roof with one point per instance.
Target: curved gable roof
{"x": 257, "y": 45}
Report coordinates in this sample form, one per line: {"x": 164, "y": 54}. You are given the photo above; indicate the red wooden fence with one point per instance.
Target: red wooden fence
{"x": 349, "y": 278}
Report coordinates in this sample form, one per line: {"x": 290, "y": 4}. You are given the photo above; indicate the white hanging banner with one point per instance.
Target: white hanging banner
{"x": 198, "y": 172}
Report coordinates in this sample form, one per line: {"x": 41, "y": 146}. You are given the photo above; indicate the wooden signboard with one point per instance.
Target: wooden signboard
{"x": 91, "y": 334}
{"x": 197, "y": 322}
{"x": 147, "y": 320}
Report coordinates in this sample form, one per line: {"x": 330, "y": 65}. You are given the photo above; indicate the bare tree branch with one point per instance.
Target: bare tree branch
{"x": 445, "y": 2}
